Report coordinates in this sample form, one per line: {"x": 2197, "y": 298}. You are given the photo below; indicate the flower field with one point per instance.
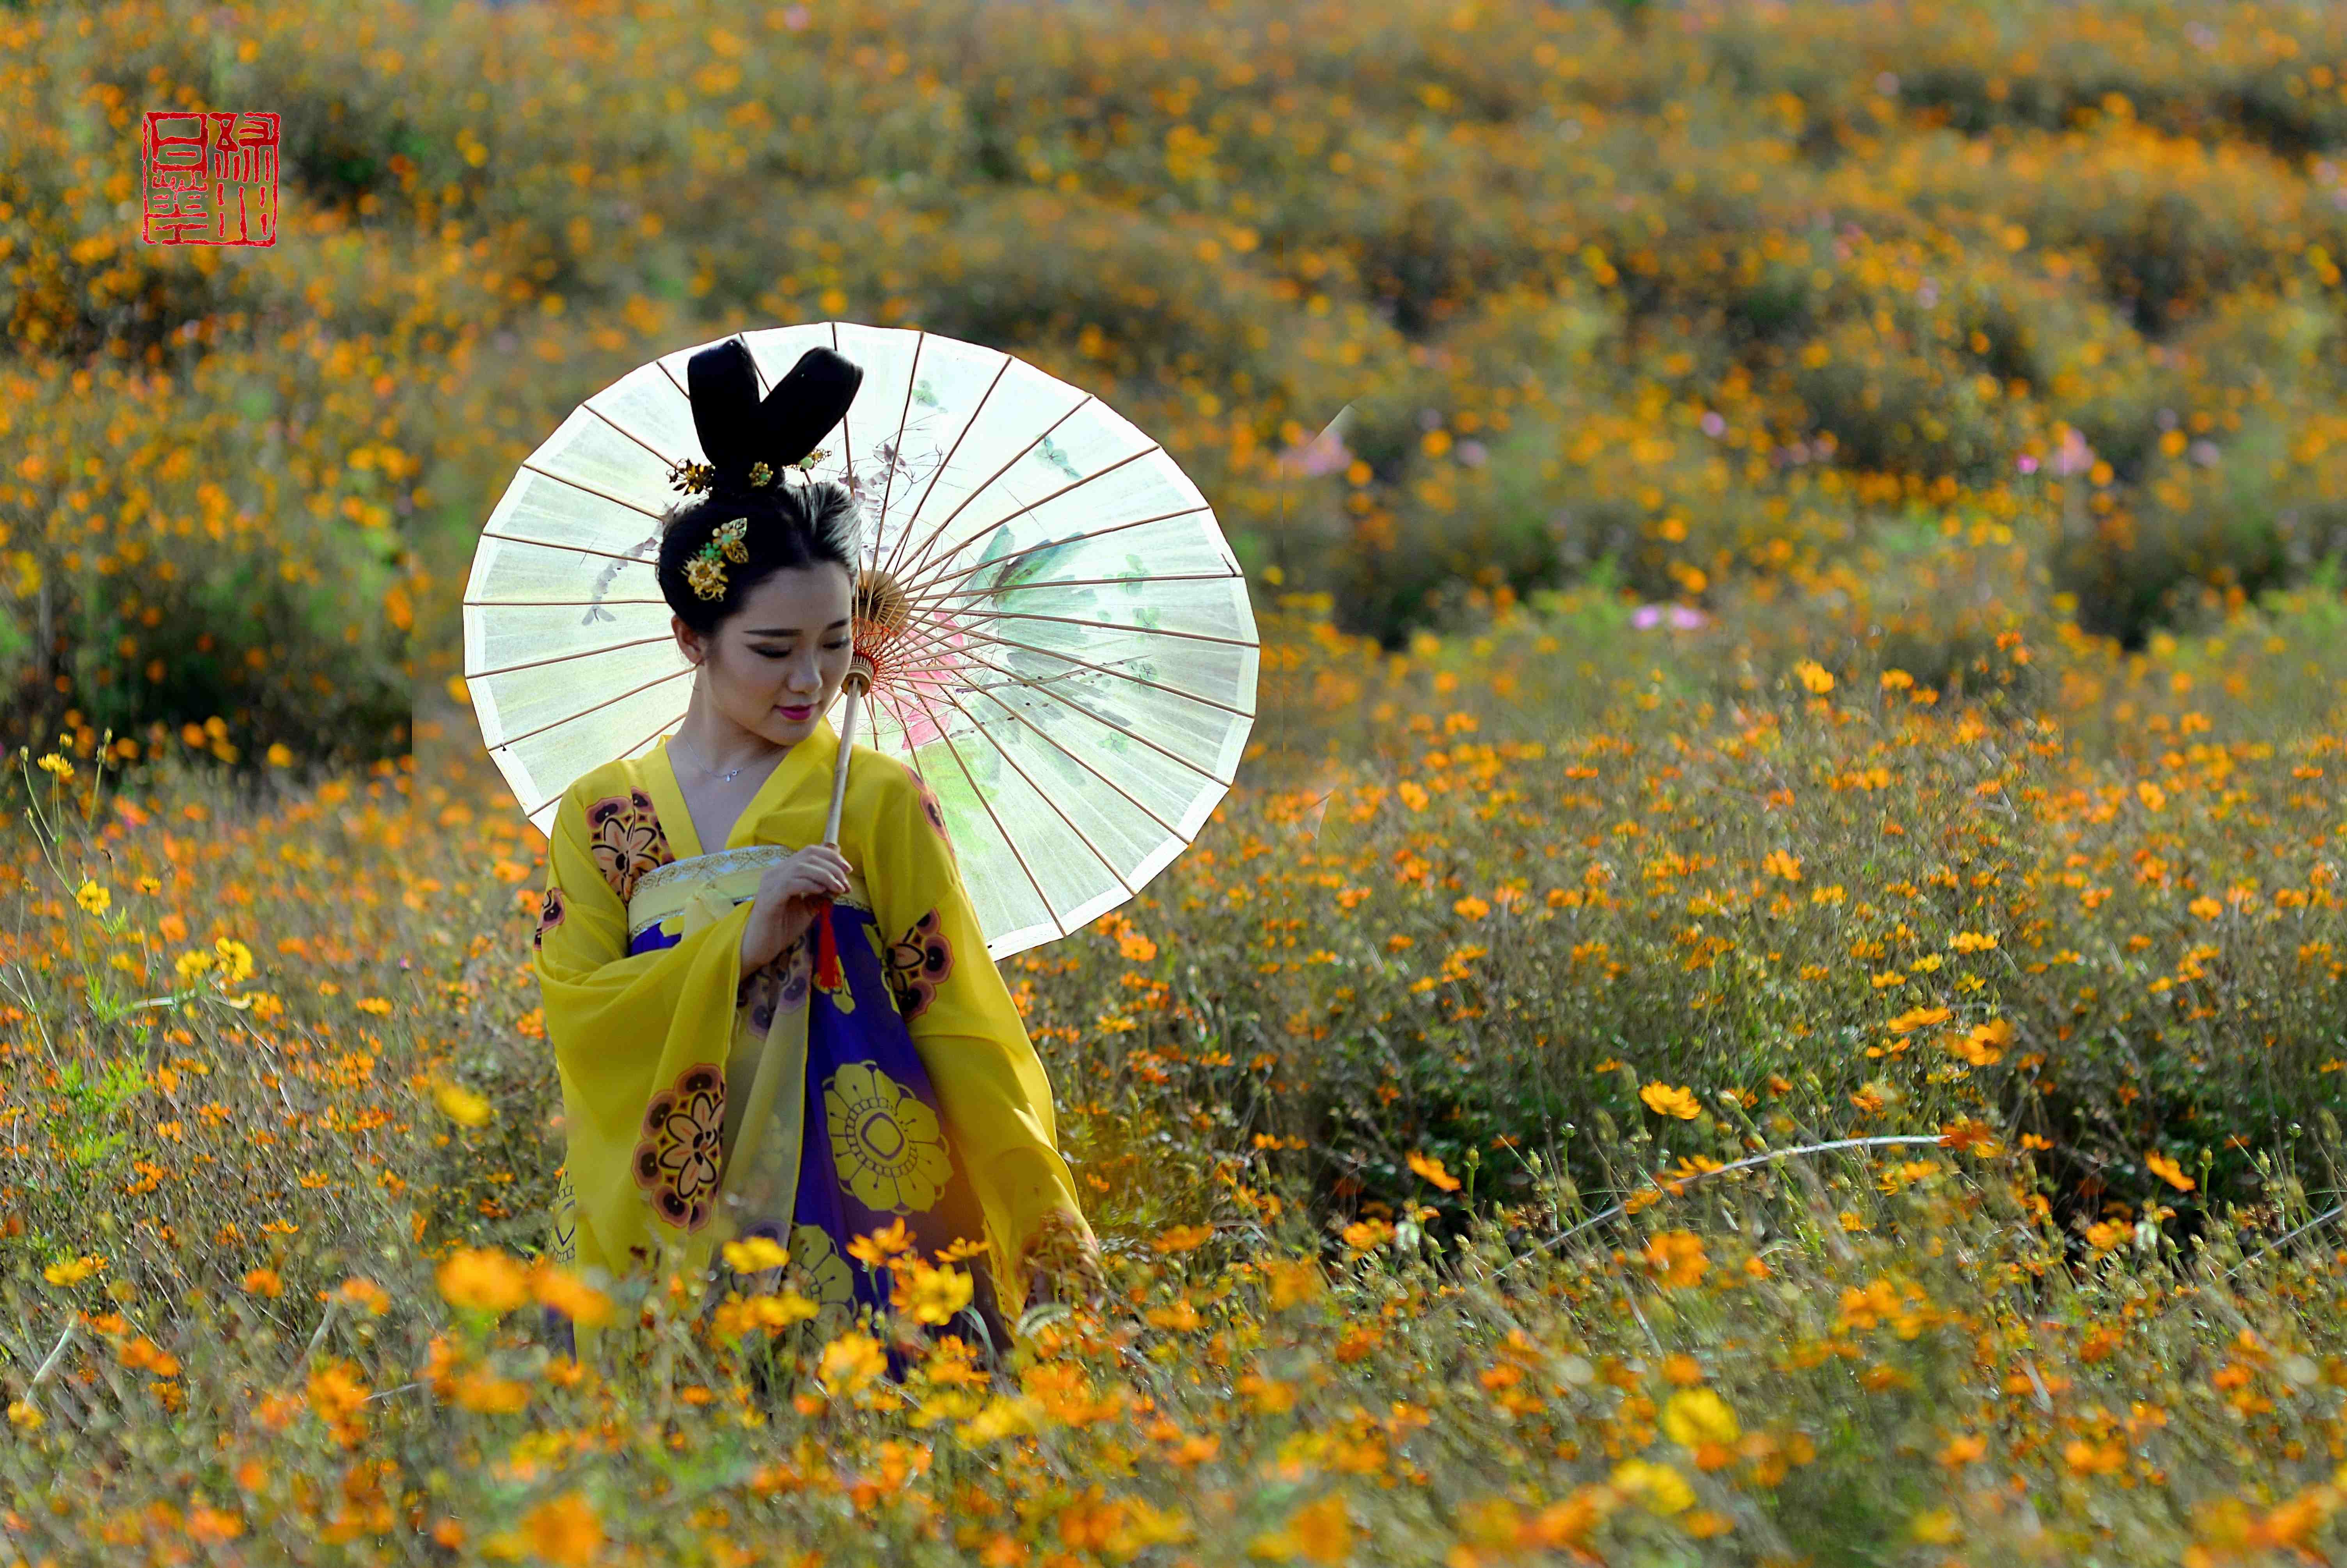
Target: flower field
{"x": 1407, "y": 1103}
{"x": 1770, "y": 991}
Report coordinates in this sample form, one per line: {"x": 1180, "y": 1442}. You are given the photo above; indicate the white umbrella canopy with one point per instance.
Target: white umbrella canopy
{"x": 1061, "y": 639}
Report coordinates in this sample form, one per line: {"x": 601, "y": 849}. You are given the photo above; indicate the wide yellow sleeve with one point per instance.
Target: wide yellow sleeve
{"x": 990, "y": 1083}
{"x": 641, "y": 1046}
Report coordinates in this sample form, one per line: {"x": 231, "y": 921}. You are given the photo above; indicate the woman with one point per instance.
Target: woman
{"x": 758, "y": 1034}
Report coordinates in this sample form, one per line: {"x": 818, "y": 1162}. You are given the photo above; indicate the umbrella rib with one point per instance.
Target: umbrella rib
{"x": 508, "y": 746}
{"x": 622, "y": 697}
{"x": 1004, "y": 753}
{"x": 1004, "y": 522}
{"x": 1044, "y": 582}
{"x": 912, "y": 376}
{"x": 944, "y": 577}
{"x": 874, "y": 697}
{"x": 1104, "y": 670}
{"x": 846, "y": 431}
{"x": 564, "y": 658}
{"x": 529, "y": 467}
{"x": 992, "y": 815}
{"x": 559, "y": 603}
{"x": 896, "y": 551}
{"x": 762, "y": 387}
{"x": 1046, "y": 689}
{"x": 926, "y": 637}
{"x": 947, "y": 520}
{"x": 649, "y": 449}
{"x": 1075, "y": 759}
{"x": 964, "y": 617}
{"x": 686, "y": 393}
{"x": 582, "y": 550}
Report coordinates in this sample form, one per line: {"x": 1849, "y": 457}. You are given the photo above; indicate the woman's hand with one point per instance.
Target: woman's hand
{"x": 789, "y": 894}
{"x": 1062, "y": 1263}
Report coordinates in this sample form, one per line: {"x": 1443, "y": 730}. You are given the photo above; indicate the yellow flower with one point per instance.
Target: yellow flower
{"x": 935, "y": 1294}
{"x": 564, "y": 1530}
{"x": 1664, "y": 1100}
{"x": 236, "y": 960}
{"x": 483, "y": 1279}
{"x": 851, "y": 1360}
{"x": 1935, "y": 1527}
{"x": 782, "y": 1309}
{"x": 2168, "y": 1171}
{"x": 93, "y": 897}
{"x": 478, "y": 1390}
{"x": 1003, "y": 1416}
{"x": 875, "y": 1250}
{"x": 1430, "y": 1167}
{"x": 366, "y": 1295}
{"x": 460, "y": 1104}
{"x": 1662, "y": 1488}
{"x": 264, "y": 1281}
{"x": 758, "y": 1253}
{"x": 25, "y": 1416}
{"x": 1323, "y": 1531}
{"x": 567, "y": 1293}
{"x": 1182, "y": 1238}
{"x": 885, "y": 1141}
{"x": 1292, "y": 1282}
{"x": 1814, "y": 676}
{"x": 1698, "y": 1416}
{"x": 1676, "y": 1258}
{"x": 2151, "y": 795}
{"x": 73, "y": 1271}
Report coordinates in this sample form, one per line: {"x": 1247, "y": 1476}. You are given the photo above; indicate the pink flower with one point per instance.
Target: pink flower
{"x": 2026, "y": 463}
{"x": 1646, "y": 616}
{"x": 2076, "y": 456}
{"x": 1323, "y": 454}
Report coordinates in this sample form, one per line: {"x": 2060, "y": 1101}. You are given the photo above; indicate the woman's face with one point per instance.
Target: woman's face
{"x": 775, "y": 665}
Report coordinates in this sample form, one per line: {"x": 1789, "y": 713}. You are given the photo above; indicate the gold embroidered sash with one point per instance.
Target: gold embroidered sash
{"x": 765, "y": 1071}
{"x": 703, "y": 888}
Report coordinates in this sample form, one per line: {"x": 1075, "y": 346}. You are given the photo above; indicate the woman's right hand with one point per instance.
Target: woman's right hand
{"x": 789, "y": 894}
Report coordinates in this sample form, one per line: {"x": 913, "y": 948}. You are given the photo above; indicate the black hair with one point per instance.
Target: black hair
{"x": 791, "y": 526}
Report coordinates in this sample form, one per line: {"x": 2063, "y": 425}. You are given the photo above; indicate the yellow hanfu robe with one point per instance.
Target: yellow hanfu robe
{"x": 690, "y": 1111}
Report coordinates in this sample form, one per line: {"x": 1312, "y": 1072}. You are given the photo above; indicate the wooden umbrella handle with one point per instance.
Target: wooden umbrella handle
{"x": 859, "y": 676}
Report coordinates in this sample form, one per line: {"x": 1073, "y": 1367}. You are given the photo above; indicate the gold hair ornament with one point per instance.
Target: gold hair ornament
{"x": 693, "y": 478}
{"x": 706, "y": 571}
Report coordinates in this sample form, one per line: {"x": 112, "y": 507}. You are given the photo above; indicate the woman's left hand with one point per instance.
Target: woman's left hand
{"x": 1062, "y": 1263}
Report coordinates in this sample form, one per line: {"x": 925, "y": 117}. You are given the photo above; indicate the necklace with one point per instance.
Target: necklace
{"x": 705, "y": 767}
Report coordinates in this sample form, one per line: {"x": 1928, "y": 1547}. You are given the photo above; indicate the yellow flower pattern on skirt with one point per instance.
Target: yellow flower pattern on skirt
{"x": 830, "y": 1283}
{"x": 885, "y": 1141}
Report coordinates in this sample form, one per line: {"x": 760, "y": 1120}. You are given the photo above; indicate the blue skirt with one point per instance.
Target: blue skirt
{"x": 875, "y": 1150}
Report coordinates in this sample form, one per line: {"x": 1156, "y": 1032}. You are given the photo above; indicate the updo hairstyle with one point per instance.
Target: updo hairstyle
{"x": 790, "y": 526}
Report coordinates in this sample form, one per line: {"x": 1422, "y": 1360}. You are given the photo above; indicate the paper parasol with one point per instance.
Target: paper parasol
{"x": 1057, "y": 639}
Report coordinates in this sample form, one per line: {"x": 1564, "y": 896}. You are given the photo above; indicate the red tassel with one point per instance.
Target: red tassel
{"x": 826, "y": 950}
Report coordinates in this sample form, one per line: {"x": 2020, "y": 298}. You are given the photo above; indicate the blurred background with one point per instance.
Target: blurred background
{"x": 1950, "y": 318}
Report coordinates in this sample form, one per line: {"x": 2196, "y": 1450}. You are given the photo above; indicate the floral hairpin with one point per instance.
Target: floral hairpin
{"x": 693, "y": 478}
{"x": 706, "y": 571}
